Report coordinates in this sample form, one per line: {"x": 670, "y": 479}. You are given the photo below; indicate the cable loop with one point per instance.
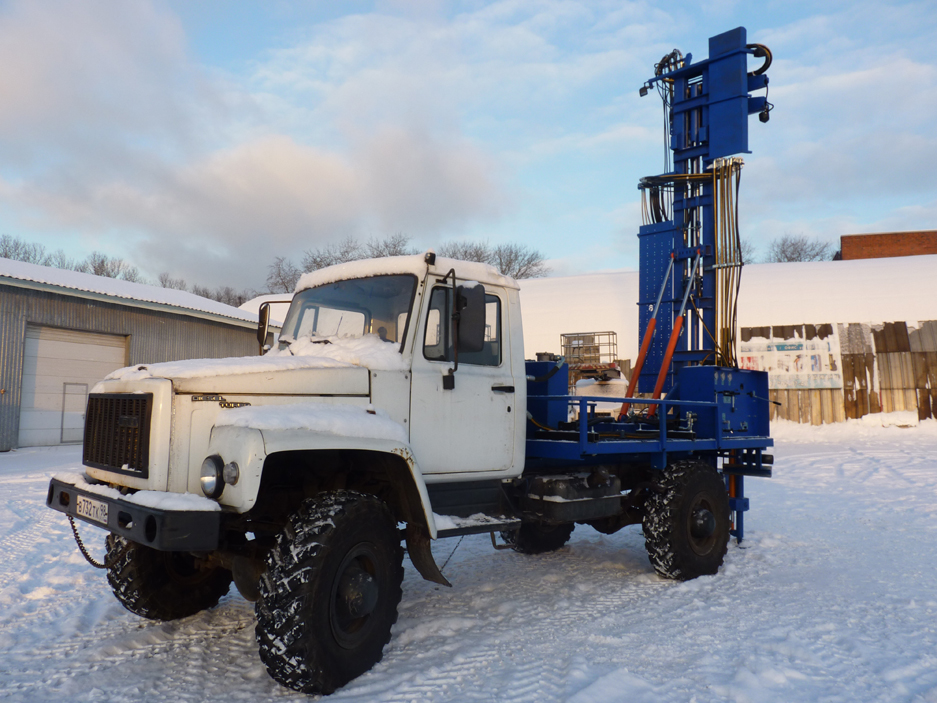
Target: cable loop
{"x": 107, "y": 563}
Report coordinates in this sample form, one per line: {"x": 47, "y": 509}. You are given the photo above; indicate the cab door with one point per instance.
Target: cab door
{"x": 470, "y": 427}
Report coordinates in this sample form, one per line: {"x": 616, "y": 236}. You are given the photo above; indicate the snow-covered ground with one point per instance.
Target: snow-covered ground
{"x": 833, "y": 597}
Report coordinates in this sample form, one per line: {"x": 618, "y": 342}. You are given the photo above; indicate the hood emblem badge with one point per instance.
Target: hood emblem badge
{"x": 220, "y": 399}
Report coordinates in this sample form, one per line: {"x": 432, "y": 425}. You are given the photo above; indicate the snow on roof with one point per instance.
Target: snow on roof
{"x": 86, "y": 285}
{"x": 279, "y": 305}
{"x": 416, "y": 265}
{"x": 253, "y": 305}
{"x": 866, "y": 290}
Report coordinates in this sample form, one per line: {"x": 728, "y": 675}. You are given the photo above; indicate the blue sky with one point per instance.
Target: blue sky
{"x": 205, "y": 138}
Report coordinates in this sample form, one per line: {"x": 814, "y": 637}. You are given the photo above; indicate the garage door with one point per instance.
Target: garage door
{"x": 59, "y": 369}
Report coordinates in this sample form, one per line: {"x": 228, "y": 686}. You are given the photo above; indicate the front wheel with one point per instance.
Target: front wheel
{"x": 686, "y": 523}
{"x": 162, "y": 585}
{"x": 329, "y": 597}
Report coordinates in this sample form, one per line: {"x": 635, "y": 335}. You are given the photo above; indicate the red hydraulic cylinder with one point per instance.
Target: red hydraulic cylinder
{"x": 674, "y": 337}
{"x": 665, "y": 365}
{"x": 636, "y": 371}
{"x": 645, "y": 345}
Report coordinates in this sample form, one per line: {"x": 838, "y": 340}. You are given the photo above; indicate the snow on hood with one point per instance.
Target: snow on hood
{"x": 325, "y": 353}
{"x": 342, "y": 420}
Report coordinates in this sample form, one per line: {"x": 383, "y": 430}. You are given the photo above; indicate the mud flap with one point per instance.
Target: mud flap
{"x": 418, "y": 547}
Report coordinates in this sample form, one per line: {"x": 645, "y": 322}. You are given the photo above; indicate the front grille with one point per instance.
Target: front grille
{"x": 117, "y": 432}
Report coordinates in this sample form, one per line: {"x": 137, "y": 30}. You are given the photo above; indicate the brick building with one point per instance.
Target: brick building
{"x": 888, "y": 244}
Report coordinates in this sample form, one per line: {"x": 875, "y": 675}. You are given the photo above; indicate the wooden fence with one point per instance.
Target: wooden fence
{"x": 885, "y": 368}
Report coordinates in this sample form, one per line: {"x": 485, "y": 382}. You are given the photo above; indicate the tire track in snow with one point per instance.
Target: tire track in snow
{"x": 514, "y": 628}
{"x": 207, "y": 648}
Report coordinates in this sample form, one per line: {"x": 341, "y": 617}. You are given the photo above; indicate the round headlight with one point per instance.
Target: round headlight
{"x": 231, "y": 473}
{"x": 212, "y": 478}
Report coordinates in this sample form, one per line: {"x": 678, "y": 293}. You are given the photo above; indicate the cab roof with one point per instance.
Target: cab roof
{"x": 416, "y": 265}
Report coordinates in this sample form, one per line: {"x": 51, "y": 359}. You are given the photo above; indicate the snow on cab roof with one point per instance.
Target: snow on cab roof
{"x": 465, "y": 270}
{"x": 86, "y": 285}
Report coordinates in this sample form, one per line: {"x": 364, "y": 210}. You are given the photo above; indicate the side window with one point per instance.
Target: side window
{"x": 437, "y": 342}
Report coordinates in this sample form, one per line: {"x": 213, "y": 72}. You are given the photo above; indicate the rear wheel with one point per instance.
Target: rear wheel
{"x": 538, "y": 538}
{"x": 686, "y": 524}
{"x": 163, "y": 585}
{"x": 329, "y": 597}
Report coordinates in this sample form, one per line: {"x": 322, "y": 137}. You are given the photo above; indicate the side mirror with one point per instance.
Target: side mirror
{"x": 263, "y": 325}
{"x": 470, "y": 307}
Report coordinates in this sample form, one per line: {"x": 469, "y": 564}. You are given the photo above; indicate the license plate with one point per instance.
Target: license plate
{"x": 92, "y": 509}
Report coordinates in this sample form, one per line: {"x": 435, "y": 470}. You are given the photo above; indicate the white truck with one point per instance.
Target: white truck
{"x": 394, "y": 409}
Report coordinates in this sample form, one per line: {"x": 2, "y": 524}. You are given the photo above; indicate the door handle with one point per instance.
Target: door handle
{"x": 503, "y": 389}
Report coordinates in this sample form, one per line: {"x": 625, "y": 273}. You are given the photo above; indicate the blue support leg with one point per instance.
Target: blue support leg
{"x": 738, "y": 504}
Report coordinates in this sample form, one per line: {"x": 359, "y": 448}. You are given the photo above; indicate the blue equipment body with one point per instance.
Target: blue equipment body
{"x": 714, "y": 413}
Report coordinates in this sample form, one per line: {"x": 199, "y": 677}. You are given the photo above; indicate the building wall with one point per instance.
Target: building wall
{"x": 154, "y": 336}
{"x": 882, "y": 246}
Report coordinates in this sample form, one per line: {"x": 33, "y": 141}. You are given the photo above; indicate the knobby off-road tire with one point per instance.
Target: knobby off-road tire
{"x": 163, "y": 585}
{"x": 686, "y": 525}
{"x": 537, "y": 538}
{"x": 329, "y": 596}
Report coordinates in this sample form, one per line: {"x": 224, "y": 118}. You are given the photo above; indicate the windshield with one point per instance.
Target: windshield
{"x": 379, "y": 305}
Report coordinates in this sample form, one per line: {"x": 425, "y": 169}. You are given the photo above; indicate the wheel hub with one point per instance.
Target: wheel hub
{"x": 357, "y": 592}
{"x": 702, "y": 523}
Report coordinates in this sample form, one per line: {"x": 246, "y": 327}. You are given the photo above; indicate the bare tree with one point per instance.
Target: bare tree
{"x": 59, "y": 260}
{"x": 514, "y": 260}
{"x": 31, "y": 253}
{"x": 282, "y": 276}
{"x": 519, "y": 261}
{"x": 201, "y": 291}
{"x": 229, "y": 296}
{"x": 167, "y": 281}
{"x": 394, "y": 245}
{"x": 467, "y": 251}
{"x": 798, "y": 247}
{"x": 225, "y": 294}
{"x": 133, "y": 275}
{"x": 749, "y": 252}
{"x": 348, "y": 250}
{"x": 19, "y": 250}
{"x": 100, "y": 264}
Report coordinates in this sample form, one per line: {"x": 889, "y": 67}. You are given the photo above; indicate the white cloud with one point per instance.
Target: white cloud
{"x": 438, "y": 120}
{"x": 76, "y": 75}
{"x": 272, "y": 196}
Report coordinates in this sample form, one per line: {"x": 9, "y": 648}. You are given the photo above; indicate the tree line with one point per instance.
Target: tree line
{"x": 100, "y": 264}
{"x": 515, "y": 260}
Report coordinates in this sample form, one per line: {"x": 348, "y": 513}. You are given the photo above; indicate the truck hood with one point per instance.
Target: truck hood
{"x": 326, "y": 365}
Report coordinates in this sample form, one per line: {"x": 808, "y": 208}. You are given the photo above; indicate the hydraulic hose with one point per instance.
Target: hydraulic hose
{"x": 549, "y": 374}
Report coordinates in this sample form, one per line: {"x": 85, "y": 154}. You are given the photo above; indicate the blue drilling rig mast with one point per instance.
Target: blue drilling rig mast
{"x": 696, "y": 407}
{"x": 689, "y": 240}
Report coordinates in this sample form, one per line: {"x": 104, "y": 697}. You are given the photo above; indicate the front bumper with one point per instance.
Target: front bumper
{"x": 165, "y": 530}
